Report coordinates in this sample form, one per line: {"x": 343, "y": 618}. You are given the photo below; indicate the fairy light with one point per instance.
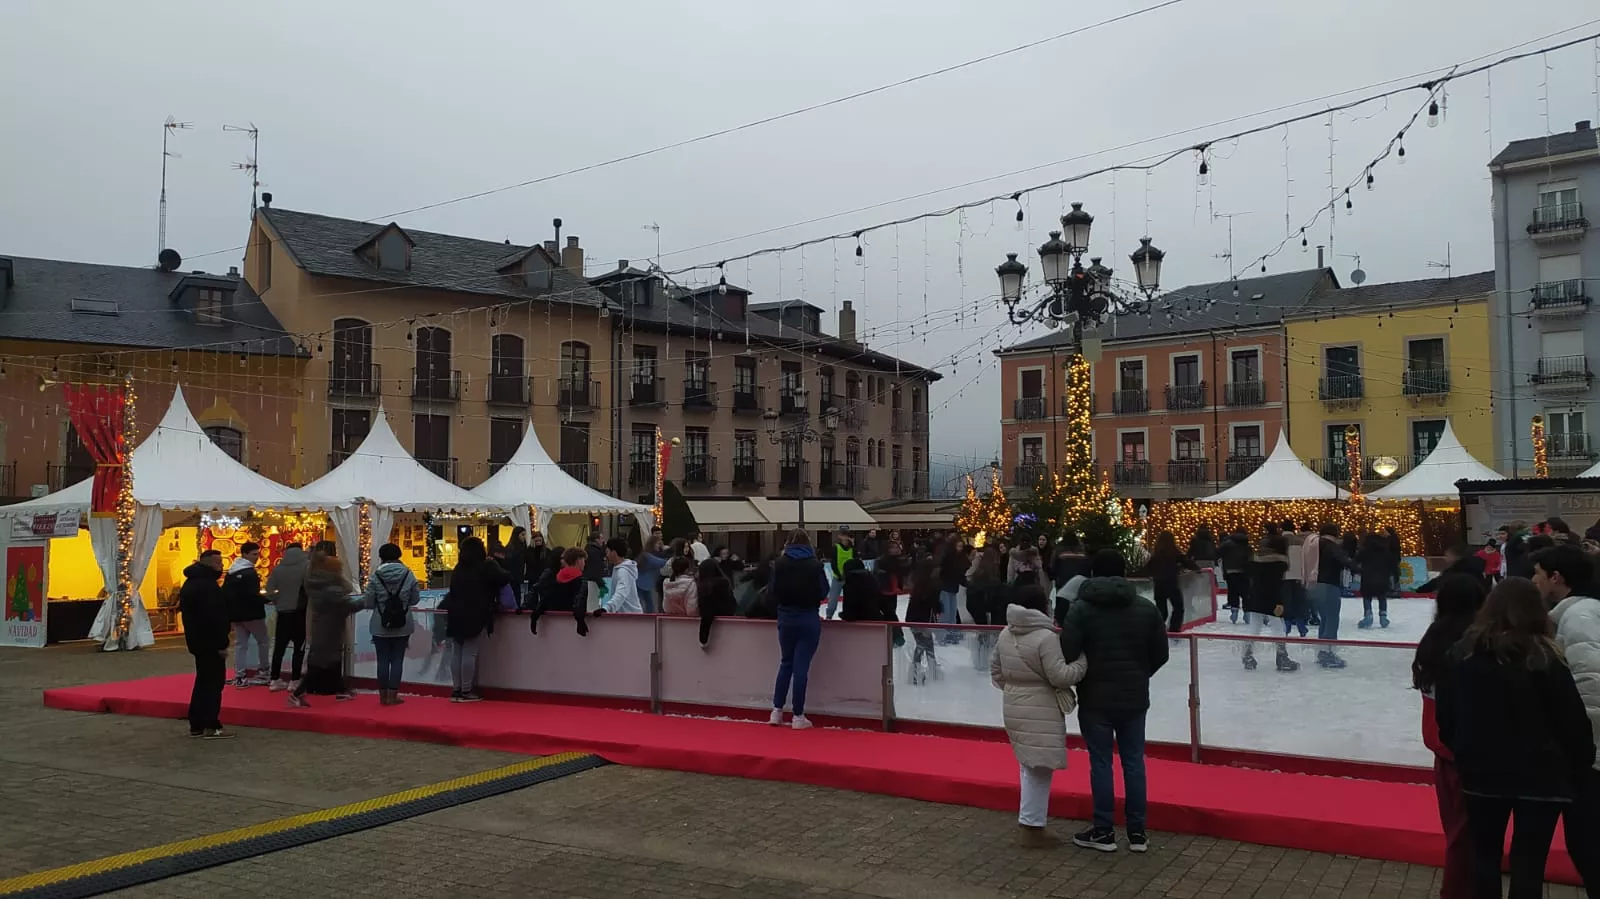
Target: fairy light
{"x": 1184, "y": 517}
{"x": 984, "y": 519}
{"x": 1352, "y": 460}
{"x": 126, "y": 509}
{"x": 364, "y": 529}
{"x": 1541, "y": 456}
{"x": 661, "y": 447}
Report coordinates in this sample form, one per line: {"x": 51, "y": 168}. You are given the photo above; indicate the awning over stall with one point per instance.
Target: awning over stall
{"x": 731, "y": 514}
{"x": 821, "y": 514}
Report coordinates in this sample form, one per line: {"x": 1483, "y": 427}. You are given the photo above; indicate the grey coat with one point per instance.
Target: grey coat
{"x": 286, "y": 581}
{"x": 331, "y": 605}
{"x": 395, "y": 578}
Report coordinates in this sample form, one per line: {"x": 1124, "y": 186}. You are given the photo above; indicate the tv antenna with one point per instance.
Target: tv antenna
{"x": 1445, "y": 265}
{"x": 653, "y": 226}
{"x": 250, "y": 165}
{"x": 167, "y": 128}
{"x": 1358, "y": 276}
{"x": 1228, "y": 256}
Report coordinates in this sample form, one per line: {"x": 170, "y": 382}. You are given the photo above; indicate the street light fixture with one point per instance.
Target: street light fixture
{"x": 1077, "y": 296}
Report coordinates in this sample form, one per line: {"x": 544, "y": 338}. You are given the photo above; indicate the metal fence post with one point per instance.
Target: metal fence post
{"x": 888, "y": 678}
{"x": 655, "y": 671}
{"x": 1194, "y": 698}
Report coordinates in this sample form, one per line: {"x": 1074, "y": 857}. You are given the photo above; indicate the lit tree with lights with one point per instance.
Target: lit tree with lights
{"x": 983, "y": 519}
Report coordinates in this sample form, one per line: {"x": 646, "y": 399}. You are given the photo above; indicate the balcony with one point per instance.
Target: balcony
{"x": 791, "y": 401}
{"x": 647, "y": 390}
{"x": 699, "y": 470}
{"x": 1238, "y": 467}
{"x": 577, "y": 394}
{"x": 1562, "y": 373}
{"x": 1428, "y": 381}
{"x": 436, "y": 386}
{"x": 1559, "y": 298}
{"x": 8, "y": 479}
{"x": 63, "y": 476}
{"x": 833, "y": 477}
{"x": 791, "y": 476}
{"x": 337, "y": 457}
{"x": 495, "y": 466}
{"x": 747, "y": 473}
{"x": 1244, "y": 394}
{"x": 351, "y": 380}
{"x": 1337, "y": 471}
{"x": 899, "y": 423}
{"x": 583, "y": 472}
{"x": 1188, "y": 472}
{"x": 1557, "y": 222}
{"x": 444, "y": 468}
{"x": 907, "y": 484}
{"x": 1028, "y": 408}
{"x": 1028, "y": 473}
{"x": 1182, "y": 397}
{"x": 699, "y": 395}
{"x": 853, "y": 417}
{"x": 1342, "y": 388}
{"x": 747, "y": 400}
{"x": 1130, "y": 402}
{"x": 1569, "y": 453}
{"x": 642, "y": 473}
{"x": 510, "y": 390}
{"x": 919, "y": 423}
{"x": 1131, "y": 474}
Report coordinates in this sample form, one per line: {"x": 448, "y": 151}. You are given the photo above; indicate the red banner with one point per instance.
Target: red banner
{"x": 97, "y": 413}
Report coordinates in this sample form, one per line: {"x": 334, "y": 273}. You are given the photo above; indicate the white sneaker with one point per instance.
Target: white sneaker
{"x": 776, "y": 718}
{"x": 800, "y": 722}
{"x": 259, "y": 681}
{"x": 278, "y": 686}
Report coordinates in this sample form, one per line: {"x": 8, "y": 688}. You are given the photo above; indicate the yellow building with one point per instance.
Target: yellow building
{"x": 1397, "y": 361}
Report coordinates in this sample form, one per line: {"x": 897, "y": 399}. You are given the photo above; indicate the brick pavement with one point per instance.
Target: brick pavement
{"x": 77, "y": 787}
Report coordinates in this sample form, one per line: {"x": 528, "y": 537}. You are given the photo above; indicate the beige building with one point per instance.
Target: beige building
{"x": 461, "y": 341}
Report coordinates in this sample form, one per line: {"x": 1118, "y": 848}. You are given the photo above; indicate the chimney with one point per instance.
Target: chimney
{"x": 233, "y": 271}
{"x": 1319, "y": 256}
{"x": 847, "y": 322}
{"x": 1584, "y": 125}
{"x": 554, "y": 251}
{"x": 622, "y": 265}
{"x": 572, "y": 257}
{"x": 557, "y": 223}
{"x": 266, "y": 200}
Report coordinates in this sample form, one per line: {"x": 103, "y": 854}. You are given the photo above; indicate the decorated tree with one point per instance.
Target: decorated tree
{"x": 985, "y": 517}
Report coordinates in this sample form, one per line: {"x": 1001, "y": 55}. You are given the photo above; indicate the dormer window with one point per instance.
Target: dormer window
{"x": 208, "y": 305}
{"x": 389, "y": 249}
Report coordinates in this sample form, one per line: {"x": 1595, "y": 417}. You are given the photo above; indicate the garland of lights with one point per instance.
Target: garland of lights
{"x": 985, "y": 519}
{"x": 126, "y": 509}
{"x": 1352, "y": 460}
{"x": 655, "y": 510}
{"x": 1184, "y": 517}
{"x": 1541, "y": 451}
{"x": 364, "y": 529}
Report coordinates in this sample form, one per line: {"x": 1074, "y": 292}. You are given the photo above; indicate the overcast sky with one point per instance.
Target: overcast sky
{"x": 370, "y": 108}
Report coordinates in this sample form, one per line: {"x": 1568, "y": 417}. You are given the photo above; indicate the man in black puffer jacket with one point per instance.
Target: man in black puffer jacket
{"x": 1125, "y": 640}
{"x": 205, "y": 631}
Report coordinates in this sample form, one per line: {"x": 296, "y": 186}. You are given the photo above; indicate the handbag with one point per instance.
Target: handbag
{"x": 507, "y": 598}
{"x": 1066, "y": 698}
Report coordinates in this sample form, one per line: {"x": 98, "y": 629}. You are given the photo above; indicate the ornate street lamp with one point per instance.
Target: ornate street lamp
{"x": 1077, "y": 296}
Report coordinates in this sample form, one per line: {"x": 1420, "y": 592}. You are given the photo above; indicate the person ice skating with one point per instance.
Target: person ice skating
{"x": 1510, "y": 712}
{"x": 1203, "y": 546}
{"x": 1236, "y": 552}
{"x": 679, "y": 592}
{"x": 1266, "y": 596}
{"x": 842, "y": 551}
{"x": 1166, "y": 564}
{"x": 1459, "y": 598}
{"x": 247, "y": 612}
{"x": 1564, "y": 576}
{"x": 286, "y": 590}
{"x": 868, "y": 549}
{"x": 1489, "y": 555}
{"x": 925, "y": 606}
{"x": 953, "y": 562}
{"x": 1294, "y": 580}
{"x": 861, "y": 600}
{"x": 698, "y": 548}
{"x": 329, "y": 606}
{"x": 798, "y": 586}
{"x": 624, "y": 597}
{"x": 1376, "y": 560}
{"x": 205, "y": 633}
{"x": 392, "y": 592}
{"x": 652, "y": 563}
{"x": 564, "y": 590}
{"x": 1036, "y": 684}
{"x": 1459, "y": 559}
{"x": 1125, "y": 643}
{"x": 471, "y": 603}
{"x": 713, "y": 598}
{"x": 516, "y": 565}
{"x": 1325, "y": 565}
{"x": 987, "y": 598}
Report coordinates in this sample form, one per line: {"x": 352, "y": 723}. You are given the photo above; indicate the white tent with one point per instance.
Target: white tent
{"x": 1281, "y": 477}
{"x": 1593, "y": 472}
{"x": 177, "y": 468}
{"x": 1435, "y": 477}
{"x": 531, "y": 478}
{"x": 382, "y": 473}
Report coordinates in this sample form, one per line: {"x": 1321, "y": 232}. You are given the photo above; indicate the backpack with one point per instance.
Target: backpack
{"x": 392, "y": 613}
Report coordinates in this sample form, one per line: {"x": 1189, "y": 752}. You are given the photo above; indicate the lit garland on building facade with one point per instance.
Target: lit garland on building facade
{"x": 1541, "y": 451}
{"x": 126, "y": 510}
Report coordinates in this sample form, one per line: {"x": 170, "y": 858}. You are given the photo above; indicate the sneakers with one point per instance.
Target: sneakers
{"x": 1097, "y": 839}
{"x": 197, "y": 733}
{"x": 218, "y": 733}
{"x": 1138, "y": 842}
{"x": 776, "y": 718}
{"x": 258, "y": 681}
{"x": 298, "y": 702}
{"x": 240, "y": 683}
{"x": 278, "y": 686}
{"x": 467, "y": 697}
{"x": 1383, "y": 621}
{"x": 800, "y": 722}
{"x": 1365, "y": 622}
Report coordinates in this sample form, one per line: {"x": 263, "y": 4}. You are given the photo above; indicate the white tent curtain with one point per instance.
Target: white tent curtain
{"x": 147, "y": 523}
{"x": 382, "y": 524}
{"x": 522, "y": 518}
{"x": 347, "y": 537}
{"x": 544, "y": 521}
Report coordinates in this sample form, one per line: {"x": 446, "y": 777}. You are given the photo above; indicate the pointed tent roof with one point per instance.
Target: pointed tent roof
{"x": 178, "y": 468}
{"x": 1435, "y": 477}
{"x": 1281, "y": 477}
{"x": 380, "y": 471}
{"x": 532, "y": 478}
{"x": 1593, "y": 472}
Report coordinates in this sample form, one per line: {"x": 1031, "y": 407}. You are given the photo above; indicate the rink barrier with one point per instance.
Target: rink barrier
{"x": 653, "y": 663}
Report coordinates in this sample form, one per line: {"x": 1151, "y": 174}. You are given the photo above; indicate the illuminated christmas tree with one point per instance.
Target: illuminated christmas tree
{"x": 985, "y": 518}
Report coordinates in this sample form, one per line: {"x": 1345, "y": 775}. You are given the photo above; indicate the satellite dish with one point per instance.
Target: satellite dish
{"x": 1358, "y": 276}
{"x": 169, "y": 260}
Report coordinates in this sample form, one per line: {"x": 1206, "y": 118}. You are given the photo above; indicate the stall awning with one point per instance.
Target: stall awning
{"x": 914, "y": 514}
{"x": 821, "y": 514}
{"x": 737, "y": 514}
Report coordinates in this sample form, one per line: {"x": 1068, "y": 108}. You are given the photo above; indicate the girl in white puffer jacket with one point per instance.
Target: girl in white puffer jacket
{"x": 1037, "y": 682}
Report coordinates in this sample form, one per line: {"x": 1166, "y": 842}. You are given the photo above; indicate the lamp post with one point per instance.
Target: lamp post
{"x": 801, "y": 433}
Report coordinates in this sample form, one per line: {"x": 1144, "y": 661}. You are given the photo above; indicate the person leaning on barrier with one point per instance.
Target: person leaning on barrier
{"x": 563, "y": 590}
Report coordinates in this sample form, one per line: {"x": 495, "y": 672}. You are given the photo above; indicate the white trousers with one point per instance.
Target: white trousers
{"x": 1035, "y": 807}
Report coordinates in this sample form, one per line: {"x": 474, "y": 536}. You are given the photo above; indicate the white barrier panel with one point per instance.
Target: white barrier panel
{"x": 613, "y": 661}
{"x": 739, "y": 668}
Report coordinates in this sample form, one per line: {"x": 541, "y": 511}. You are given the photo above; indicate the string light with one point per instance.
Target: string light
{"x": 1352, "y": 460}
{"x": 1541, "y": 457}
{"x": 126, "y": 509}
{"x": 1184, "y": 517}
{"x": 661, "y": 456}
{"x": 364, "y": 530}
{"x": 985, "y": 519}
{"x": 1433, "y": 114}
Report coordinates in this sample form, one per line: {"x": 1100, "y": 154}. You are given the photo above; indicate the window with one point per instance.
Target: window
{"x": 433, "y": 355}
{"x": 208, "y": 305}
{"x": 574, "y": 442}
{"x": 1561, "y": 345}
{"x": 1186, "y": 371}
{"x": 642, "y": 456}
{"x": 896, "y": 457}
{"x": 696, "y": 456}
{"x": 916, "y": 462}
{"x": 505, "y": 435}
{"x": 394, "y": 253}
{"x": 1425, "y": 436}
{"x": 1130, "y": 374}
{"x": 84, "y": 306}
{"x": 1033, "y": 451}
{"x": 852, "y": 389}
{"x": 1558, "y": 194}
{"x": 1341, "y": 362}
{"x": 431, "y": 440}
{"x": 916, "y": 402}
{"x": 574, "y": 361}
{"x": 1133, "y": 448}
{"x": 229, "y": 440}
{"x": 1425, "y": 354}
{"x": 744, "y": 447}
{"x": 505, "y": 352}
{"x": 1564, "y": 433}
{"x": 1246, "y": 441}
{"x": 1334, "y": 442}
{"x": 852, "y": 453}
{"x": 644, "y": 364}
{"x": 744, "y": 374}
{"x": 697, "y": 369}
{"x": 1244, "y": 366}
{"x": 349, "y": 427}
{"x": 1032, "y": 384}
{"x": 1556, "y": 269}
{"x": 826, "y": 382}
{"x": 880, "y": 454}
{"x": 872, "y": 452}
{"x": 1187, "y": 445}
{"x": 791, "y": 377}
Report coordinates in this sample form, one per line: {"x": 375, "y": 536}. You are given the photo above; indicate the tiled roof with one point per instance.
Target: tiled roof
{"x": 1577, "y": 140}
{"x": 324, "y": 245}
{"x": 38, "y": 306}
{"x": 1403, "y": 293}
{"x": 1198, "y": 308}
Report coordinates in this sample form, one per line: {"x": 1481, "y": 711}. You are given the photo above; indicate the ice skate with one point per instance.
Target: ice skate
{"x": 1383, "y": 620}
{"x": 1328, "y": 660}
{"x": 1285, "y": 663}
{"x": 1249, "y": 661}
{"x": 1365, "y": 622}
{"x": 1233, "y": 614}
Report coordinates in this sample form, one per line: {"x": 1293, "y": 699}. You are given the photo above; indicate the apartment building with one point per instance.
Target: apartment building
{"x": 1547, "y": 265}
{"x": 1184, "y": 403}
{"x": 734, "y": 380}
{"x": 462, "y": 341}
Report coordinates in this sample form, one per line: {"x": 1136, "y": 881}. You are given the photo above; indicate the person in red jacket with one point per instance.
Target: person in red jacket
{"x": 1459, "y": 597}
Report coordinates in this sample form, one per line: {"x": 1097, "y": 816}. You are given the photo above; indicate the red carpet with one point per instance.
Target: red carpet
{"x": 1390, "y": 821}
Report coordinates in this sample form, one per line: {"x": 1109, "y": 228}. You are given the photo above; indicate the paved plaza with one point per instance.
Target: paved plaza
{"x": 80, "y": 787}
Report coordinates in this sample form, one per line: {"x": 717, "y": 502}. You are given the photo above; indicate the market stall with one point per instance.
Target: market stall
{"x": 534, "y": 490}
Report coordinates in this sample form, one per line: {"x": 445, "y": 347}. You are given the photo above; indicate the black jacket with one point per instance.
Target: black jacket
{"x": 241, "y": 590}
{"x": 862, "y": 600}
{"x": 893, "y": 573}
{"x": 552, "y": 595}
{"x": 474, "y": 595}
{"x": 715, "y": 598}
{"x": 1203, "y": 548}
{"x": 594, "y": 563}
{"x": 953, "y": 571}
{"x": 1166, "y": 568}
{"x": 1332, "y": 561}
{"x": 517, "y": 563}
{"x": 1266, "y": 584}
{"x": 1126, "y": 642}
{"x": 798, "y": 580}
{"x": 1066, "y": 566}
{"x": 1235, "y": 555}
{"x": 1377, "y": 568}
{"x": 1471, "y": 565}
{"x": 205, "y": 615}
{"x": 867, "y": 548}
{"x": 1515, "y": 732}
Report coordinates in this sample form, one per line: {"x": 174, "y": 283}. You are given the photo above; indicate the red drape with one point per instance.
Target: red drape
{"x": 97, "y": 414}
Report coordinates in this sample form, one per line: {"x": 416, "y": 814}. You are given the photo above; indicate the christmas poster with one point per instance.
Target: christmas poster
{"x": 24, "y": 597}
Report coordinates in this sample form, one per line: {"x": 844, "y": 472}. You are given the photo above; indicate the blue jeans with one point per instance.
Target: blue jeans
{"x": 1099, "y": 728}
{"x": 835, "y": 588}
{"x": 647, "y": 600}
{"x": 391, "y": 659}
{"x": 799, "y": 632}
{"x": 1327, "y": 600}
{"x": 949, "y": 613}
